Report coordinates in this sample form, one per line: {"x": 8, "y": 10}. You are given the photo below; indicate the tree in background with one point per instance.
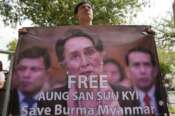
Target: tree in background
{"x": 165, "y": 40}
{"x": 174, "y": 11}
{"x": 12, "y": 47}
{"x": 165, "y": 30}
{"x": 167, "y": 67}
{"x": 60, "y": 12}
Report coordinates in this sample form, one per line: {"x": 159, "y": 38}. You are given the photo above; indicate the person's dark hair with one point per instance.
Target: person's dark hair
{"x": 118, "y": 65}
{"x": 79, "y": 4}
{"x": 1, "y": 66}
{"x": 35, "y": 52}
{"x": 142, "y": 50}
{"x": 71, "y": 33}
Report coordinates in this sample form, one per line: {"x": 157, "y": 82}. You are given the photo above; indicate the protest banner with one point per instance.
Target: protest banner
{"x": 90, "y": 70}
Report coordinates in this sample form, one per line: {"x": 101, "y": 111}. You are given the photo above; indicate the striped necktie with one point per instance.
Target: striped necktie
{"x": 147, "y": 101}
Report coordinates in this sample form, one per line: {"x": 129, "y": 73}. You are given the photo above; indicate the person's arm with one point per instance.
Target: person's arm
{"x": 2, "y": 80}
{"x": 2, "y": 84}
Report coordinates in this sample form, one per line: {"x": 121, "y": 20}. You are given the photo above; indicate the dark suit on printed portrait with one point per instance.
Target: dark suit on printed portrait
{"x": 125, "y": 99}
{"x": 161, "y": 98}
{"x": 124, "y": 102}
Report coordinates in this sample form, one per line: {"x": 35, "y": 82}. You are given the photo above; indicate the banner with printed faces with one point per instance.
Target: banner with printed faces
{"x": 87, "y": 71}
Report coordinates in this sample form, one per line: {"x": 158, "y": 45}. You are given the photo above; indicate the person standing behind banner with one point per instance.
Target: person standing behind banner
{"x": 81, "y": 54}
{"x": 2, "y": 76}
{"x": 143, "y": 71}
{"x": 2, "y": 87}
{"x": 84, "y": 13}
{"x": 30, "y": 75}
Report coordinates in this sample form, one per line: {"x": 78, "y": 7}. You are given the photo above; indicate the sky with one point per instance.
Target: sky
{"x": 156, "y": 10}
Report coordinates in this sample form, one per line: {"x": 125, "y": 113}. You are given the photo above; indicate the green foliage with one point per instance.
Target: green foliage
{"x": 12, "y": 47}
{"x": 172, "y": 109}
{"x": 167, "y": 66}
{"x": 165, "y": 39}
{"x": 60, "y": 12}
{"x": 167, "y": 59}
{"x": 165, "y": 30}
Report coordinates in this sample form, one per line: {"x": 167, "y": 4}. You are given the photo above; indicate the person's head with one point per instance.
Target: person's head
{"x": 80, "y": 52}
{"x": 31, "y": 69}
{"x": 114, "y": 71}
{"x": 142, "y": 67}
{"x": 84, "y": 13}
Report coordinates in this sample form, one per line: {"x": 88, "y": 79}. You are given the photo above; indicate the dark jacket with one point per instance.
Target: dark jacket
{"x": 132, "y": 102}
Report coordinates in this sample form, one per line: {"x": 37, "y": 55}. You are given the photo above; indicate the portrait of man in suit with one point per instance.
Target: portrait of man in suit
{"x": 31, "y": 71}
{"x": 143, "y": 70}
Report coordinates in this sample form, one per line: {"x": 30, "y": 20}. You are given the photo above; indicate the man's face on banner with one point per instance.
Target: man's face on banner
{"x": 81, "y": 57}
{"x": 31, "y": 73}
{"x": 141, "y": 70}
{"x": 113, "y": 73}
